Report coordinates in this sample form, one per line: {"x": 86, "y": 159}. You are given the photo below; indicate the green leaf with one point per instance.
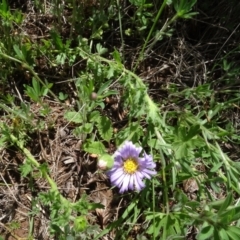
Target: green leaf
{"x": 57, "y": 40}
{"x": 216, "y": 204}
{"x": 226, "y": 203}
{"x": 84, "y": 129}
{"x": 216, "y": 167}
{"x": 183, "y": 7}
{"x": 116, "y": 56}
{"x": 62, "y": 96}
{"x": 3, "y": 141}
{"x": 230, "y": 215}
{"x": 25, "y": 169}
{"x": 110, "y": 72}
{"x": 73, "y": 116}
{"x": 232, "y": 235}
{"x": 36, "y": 86}
{"x": 88, "y": 127}
{"x": 4, "y": 6}
{"x": 80, "y": 223}
{"x": 19, "y": 52}
{"x": 234, "y": 230}
{"x": 153, "y": 111}
{"x": 43, "y": 168}
{"x": 205, "y": 233}
{"x": 101, "y": 50}
{"x": 104, "y": 88}
{"x": 94, "y": 116}
{"x": 223, "y": 234}
{"x": 193, "y": 131}
{"x": 94, "y": 147}
{"x": 105, "y": 128}
{"x": 181, "y": 149}
{"x": 156, "y": 227}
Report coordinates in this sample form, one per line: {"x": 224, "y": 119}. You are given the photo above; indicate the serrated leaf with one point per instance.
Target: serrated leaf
{"x": 25, "y": 169}
{"x": 105, "y": 128}
{"x": 153, "y": 111}
{"x": 116, "y": 56}
{"x": 73, "y": 116}
{"x": 94, "y": 147}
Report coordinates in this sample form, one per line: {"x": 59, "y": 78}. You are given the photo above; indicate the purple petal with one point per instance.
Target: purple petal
{"x": 117, "y": 176}
{"x": 139, "y": 174}
{"x": 125, "y": 181}
{"x": 118, "y": 183}
{"x": 148, "y": 173}
{"x": 128, "y": 150}
{"x": 139, "y": 185}
{"x": 125, "y": 184}
{"x": 131, "y": 182}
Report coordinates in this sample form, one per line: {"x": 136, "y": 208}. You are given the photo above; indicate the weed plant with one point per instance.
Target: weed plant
{"x": 66, "y": 69}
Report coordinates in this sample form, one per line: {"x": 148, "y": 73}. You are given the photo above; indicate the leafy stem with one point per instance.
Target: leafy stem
{"x": 30, "y": 69}
{"x": 35, "y": 163}
{"x": 160, "y": 33}
{"x": 150, "y": 33}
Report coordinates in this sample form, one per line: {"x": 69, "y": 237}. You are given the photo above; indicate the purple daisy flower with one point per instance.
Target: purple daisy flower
{"x": 129, "y": 169}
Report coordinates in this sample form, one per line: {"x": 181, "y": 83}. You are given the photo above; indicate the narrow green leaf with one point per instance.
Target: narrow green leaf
{"x": 216, "y": 167}
{"x": 159, "y": 223}
{"x": 36, "y": 86}
{"x": 230, "y": 215}
{"x": 216, "y": 204}
{"x": 226, "y": 203}
{"x": 193, "y": 131}
{"x": 104, "y": 87}
{"x": 57, "y": 40}
{"x": 4, "y": 6}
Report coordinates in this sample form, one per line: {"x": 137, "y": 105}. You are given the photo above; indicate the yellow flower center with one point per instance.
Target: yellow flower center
{"x": 130, "y": 166}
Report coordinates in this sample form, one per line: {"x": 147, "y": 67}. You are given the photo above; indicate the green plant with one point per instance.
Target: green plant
{"x": 36, "y": 91}
{"x": 189, "y": 124}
